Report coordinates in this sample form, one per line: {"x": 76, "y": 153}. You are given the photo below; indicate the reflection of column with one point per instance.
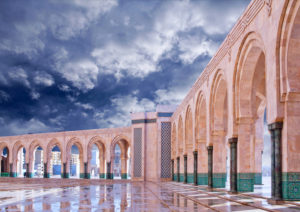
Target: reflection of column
{"x": 185, "y": 169}
{"x": 124, "y": 167}
{"x": 46, "y": 205}
{"x": 65, "y": 204}
{"x": 210, "y": 165}
{"x": 195, "y": 153}
{"x": 178, "y": 169}
{"x": 124, "y": 203}
{"x": 28, "y": 205}
{"x": 276, "y": 161}
{"x": 233, "y": 164}
{"x": 85, "y": 199}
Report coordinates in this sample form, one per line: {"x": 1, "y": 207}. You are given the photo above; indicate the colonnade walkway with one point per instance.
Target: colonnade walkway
{"x": 125, "y": 195}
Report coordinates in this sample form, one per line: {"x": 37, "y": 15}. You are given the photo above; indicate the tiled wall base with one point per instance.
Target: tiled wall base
{"x": 202, "y": 179}
{"x": 181, "y": 178}
{"x": 291, "y": 185}
{"x": 257, "y": 178}
{"x": 109, "y": 176}
{"x": 190, "y": 178}
{"x": 67, "y": 175}
{"x": 124, "y": 176}
{"x": 245, "y": 182}
{"x": 102, "y": 175}
{"x": 85, "y": 175}
{"x": 13, "y": 174}
{"x": 30, "y": 175}
{"x": 175, "y": 177}
{"x": 47, "y": 175}
{"x": 5, "y": 174}
{"x": 219, "y": 180}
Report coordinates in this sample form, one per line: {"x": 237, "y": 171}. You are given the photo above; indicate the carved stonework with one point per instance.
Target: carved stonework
{"x": 268, "y": 4}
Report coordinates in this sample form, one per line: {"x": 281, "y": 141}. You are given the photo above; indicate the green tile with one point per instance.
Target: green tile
{"x": 219, "y": 180}
{"x": 102, "y": 175}
{"x": 190, "y": 178}
{"x": 181, "y": 177}
{"x": 245, "y": 182}
{"x": 257, "y": 178}
{"x": 5, "y": 174}
{"x": 175, "y": 177}
{"x": 124, "y": 176}
{"x": 291, "y": 185}
{"x": 202, "y": 178}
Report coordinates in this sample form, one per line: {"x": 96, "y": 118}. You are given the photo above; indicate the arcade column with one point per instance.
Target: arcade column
{"x": 185, "y": 169}
{"x": 195, "y": 153}
{"x": 210, "y": 166}
{"x": 233, "y": 164}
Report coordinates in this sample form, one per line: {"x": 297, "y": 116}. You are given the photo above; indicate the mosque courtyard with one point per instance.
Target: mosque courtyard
{"x": 17, "y": 194}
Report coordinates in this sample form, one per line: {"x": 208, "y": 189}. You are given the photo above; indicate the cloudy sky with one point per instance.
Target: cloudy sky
{"x": 71, "y": 65}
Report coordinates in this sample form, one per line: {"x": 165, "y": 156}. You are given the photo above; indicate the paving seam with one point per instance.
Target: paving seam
{"x": 232, "y": 200}
{"x": 192, "y": 199}
{"x": 161, "y": 201}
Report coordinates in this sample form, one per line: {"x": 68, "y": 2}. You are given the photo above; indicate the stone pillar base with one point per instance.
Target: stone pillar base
{"x": 124, "y": 176}
{"x": 46, "y": 175}
{"x": 65, "y": 175}
{"x": 102, "y": 175}
{"x": 275, "y": 202}
{"x": 4, "y": 174}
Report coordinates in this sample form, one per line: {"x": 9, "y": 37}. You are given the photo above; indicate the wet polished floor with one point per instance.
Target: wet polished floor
{"x": 122, "y": 195}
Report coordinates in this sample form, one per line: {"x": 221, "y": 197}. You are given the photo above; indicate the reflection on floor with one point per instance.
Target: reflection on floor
{"x": 118, "y": 195}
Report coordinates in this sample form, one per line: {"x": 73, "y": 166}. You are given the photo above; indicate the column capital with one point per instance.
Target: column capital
{"x": 275, "y": 125}
{"x": 233, "y": 140}
{"x": 209, "y": 147}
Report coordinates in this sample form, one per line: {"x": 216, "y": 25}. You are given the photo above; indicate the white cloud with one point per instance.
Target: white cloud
{"x": 19, "y": 75}
{"x": 82, "y": 74}
{"x": 71, "y": 23}
{"x": 64, "y": 88}
{"x": 123, "y": 106}
{"x": 172, "y": 96}
{"x": 23, "y": 127}
{"x": 42, "y": 78}
{"x": 193, "y": 46}
{"x": 84, "y": 106}
{"x": 35, "y": 95}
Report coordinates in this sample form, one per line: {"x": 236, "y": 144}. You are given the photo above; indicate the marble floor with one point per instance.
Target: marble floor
{"x": 122, "y": 195}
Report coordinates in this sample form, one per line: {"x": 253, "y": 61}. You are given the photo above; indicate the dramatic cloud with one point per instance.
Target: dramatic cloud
{"x": 71, "y": 65}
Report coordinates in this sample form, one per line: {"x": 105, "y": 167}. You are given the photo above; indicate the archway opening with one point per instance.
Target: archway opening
{"x": 5, "y": 162}
{"x": 38, "y": 162}
{"x": 117, "y": 162}
{"x": 55, "y": 162}
{"x": 95, "y": 162}
{"x": 75, "y": 162}
{"x": 21, "y": 162}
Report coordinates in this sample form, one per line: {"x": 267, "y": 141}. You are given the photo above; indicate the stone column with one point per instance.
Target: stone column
{"x": 172, "y": 169}
{"x": 185, "y": 169}
{"x": 210, "y": 166}
{"x": 87, "y": 175}
{"x": 27, "y": 171}
{"x": 65, "y": 174}
{"x": 108, "y": 170}
{"x": 102, "y": 167}
{"x": 46, "y": 173}
{"x": 276, "y": 160}
{"x": 124, "y": 168}
{"x": 178, "y": 169}
{"x": 195, "y": 167}
{"x": 233, "y": 164}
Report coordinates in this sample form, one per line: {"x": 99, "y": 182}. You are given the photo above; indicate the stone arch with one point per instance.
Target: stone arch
{"x": 53, "y": 142}
{"x": 124, "y": 145}
{"x": 188, "y": 130}
{"x": 218, "y": 128}
{"x": 200, "y": 120}
{"x": 288, "y": 54}
{"x": 180, "y": 136}
{"x": 4, "y": 162}
{"x": 34, "y": 144}
{"x": 218, "y": 104}
{"x": 250, "y": 104}
{"x": 75, "y": 141}
{"x": 99, "y": 142}
{"x": 251, "y": 53}
{"x": 17, "y": 146}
